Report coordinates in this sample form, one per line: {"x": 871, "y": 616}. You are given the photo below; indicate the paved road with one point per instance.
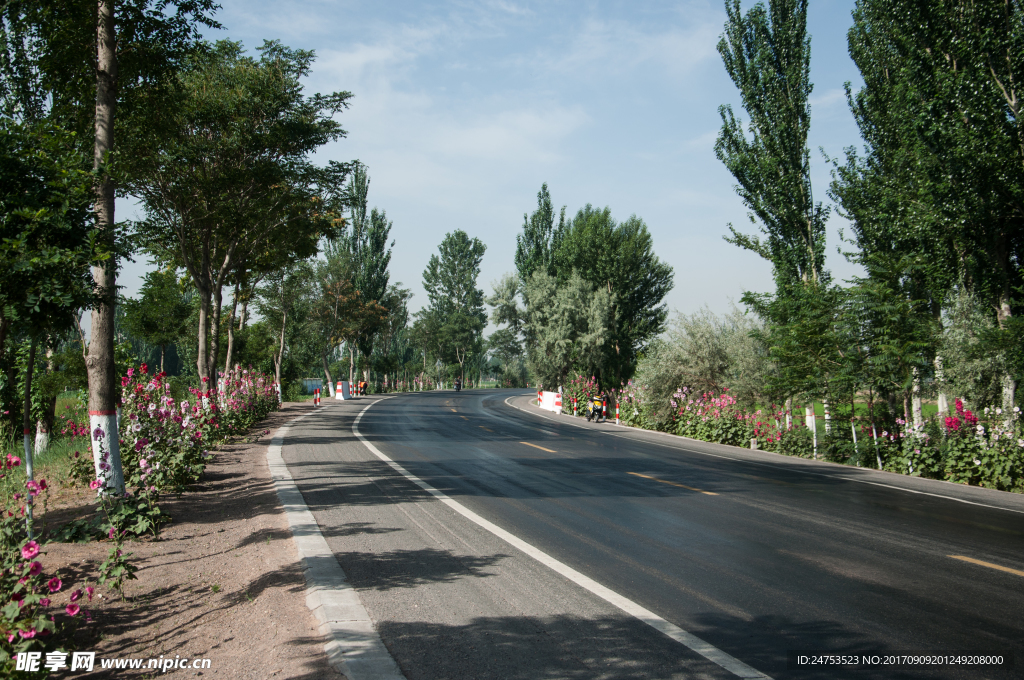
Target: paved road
{"x": 753, "y": 553}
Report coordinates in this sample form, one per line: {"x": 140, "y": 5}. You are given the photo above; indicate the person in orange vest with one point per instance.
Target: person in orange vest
{"x": 362, "y": 387}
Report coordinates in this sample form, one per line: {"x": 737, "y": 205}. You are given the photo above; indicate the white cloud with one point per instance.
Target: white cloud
{"x": 829, "y": 99}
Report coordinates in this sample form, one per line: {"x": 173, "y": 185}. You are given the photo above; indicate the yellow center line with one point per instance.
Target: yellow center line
{"x": 665, "y": 481}
{"x": 486, "y": 428}
{"x": 464, "y": 417}
{"x": 1017, "y": 572}
{"x": 454, "y": 411}
{"x": 538, "y": 447}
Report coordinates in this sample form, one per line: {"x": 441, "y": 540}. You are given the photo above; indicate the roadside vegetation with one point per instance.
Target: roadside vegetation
{"x": 271, "y": 271}
{"x": 912, "y": 367}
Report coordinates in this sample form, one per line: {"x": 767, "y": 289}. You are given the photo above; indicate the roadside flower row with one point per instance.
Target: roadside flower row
{"x": 164, "y": 445}
{"x": 30, "y": 615}
{"x": 963, "y": 447}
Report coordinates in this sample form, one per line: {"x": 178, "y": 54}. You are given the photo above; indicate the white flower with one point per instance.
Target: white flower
{"x": 977, "y": 462}
{"x": 999, "y": 411}
{"x": 137, "y": 427}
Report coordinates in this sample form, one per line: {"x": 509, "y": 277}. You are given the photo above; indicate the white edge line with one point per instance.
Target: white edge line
{"x": 353, "y": 646}
{"x": 708, "y": 651}
{"x": 789, "y": 468}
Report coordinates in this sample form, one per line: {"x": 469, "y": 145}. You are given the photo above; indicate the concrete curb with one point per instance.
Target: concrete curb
{"x": 353, "y": 646}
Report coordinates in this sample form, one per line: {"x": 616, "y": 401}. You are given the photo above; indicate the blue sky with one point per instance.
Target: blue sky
{"x": 462, "y": 109}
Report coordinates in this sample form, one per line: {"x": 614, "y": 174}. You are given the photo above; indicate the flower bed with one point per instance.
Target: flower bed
{"x": 164, "y": 445}
{"x": 962, "y": 448}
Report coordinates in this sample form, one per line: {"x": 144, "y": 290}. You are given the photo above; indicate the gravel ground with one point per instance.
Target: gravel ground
{"x": 223, "y": 582}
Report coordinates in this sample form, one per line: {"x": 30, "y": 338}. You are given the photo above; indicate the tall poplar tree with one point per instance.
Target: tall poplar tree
{"x": 767, "y": 54}
{"x": 941, "y": 114}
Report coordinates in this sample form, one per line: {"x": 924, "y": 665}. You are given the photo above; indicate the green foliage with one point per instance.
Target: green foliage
{"x": 47, "y": 243}
{"x": 160, "y": 314}
{"x": 238, "y": 145}
{"x": 767, "y": 54}
{"x": 117, "y": 569}
{"x": 619, "y": 258}
{"x": 569, "y": 326}
{"x": 450, "y": 327}
{"x": 537, "y": 244}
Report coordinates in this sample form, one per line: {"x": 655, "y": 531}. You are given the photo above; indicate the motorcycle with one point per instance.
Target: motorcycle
{"x": 595, "y": 409}
{"x": 458, "y": 385}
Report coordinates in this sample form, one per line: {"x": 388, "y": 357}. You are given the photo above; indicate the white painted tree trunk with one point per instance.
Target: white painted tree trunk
{"x": 828, "y": 418}
{"x": 42, "y": 438}
{"x": 789, "y": 413}
{"x": 1009, "y": 393}
{"x": 915, "y": 401}
{"x": 809, "y": 417}
{"x": 940, "y": 378}
{"x": 814, "y": 432}
{"x": 106, "y": 451}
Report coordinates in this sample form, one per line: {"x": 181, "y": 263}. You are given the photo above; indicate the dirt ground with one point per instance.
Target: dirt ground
{"x": 223, "y": 582}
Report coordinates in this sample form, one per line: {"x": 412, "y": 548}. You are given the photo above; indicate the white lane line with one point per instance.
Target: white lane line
{"x": 788, "y": 468}
{"x": 708, "y": 651}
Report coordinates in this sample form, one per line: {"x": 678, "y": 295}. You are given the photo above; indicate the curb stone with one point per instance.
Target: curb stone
{"x": 353, "y": 646}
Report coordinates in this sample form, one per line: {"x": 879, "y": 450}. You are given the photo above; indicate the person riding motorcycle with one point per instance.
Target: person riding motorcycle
{"x": 458, "y": 385}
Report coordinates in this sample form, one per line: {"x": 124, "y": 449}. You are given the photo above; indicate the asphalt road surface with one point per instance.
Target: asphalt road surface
{"x": 754, "y": 554}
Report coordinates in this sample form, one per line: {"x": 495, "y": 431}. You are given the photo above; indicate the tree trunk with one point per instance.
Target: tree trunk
{"x": 4, "y": 325}
{"x": 915, "y": 406}
{"x": 789, "y": 413}
{"x": 828, "y": 417}
{"x": 940, "y": 378}
{"x": 231, "y": 330}
{"x": 163, "y": 352}
{"x": 26, "y": 421}
{"x": 202, "y": 335}
{"x": 100, "y": 362}
{"x": 242, "y": 318}
{"x": 327, "y": 375}
{"x": 1003, "y": 315}
{"x": 218, "y": 298}
{"x": 279, "y": 355}
{"x": 351, "y": 363}
{"x": 44, "y": 425}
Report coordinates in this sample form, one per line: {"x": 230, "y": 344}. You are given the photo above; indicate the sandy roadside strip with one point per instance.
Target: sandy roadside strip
{"x": 223, "y": 583}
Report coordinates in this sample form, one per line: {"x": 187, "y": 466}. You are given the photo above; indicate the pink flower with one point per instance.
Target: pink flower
{"x": 29, "y": 550}
{"x": 35, "y": 569}
{"x": 54, "y": 584}
{"x": 27, "y": 634}
{"x": 77, "y": 594}
{"x": 45, "y": 602}
{"x": 72, "y": 609}
{"x": 95, "y": 484}
{"x": 89, "y": 590}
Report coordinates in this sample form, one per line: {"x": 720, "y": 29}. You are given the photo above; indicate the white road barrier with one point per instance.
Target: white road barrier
{"x": 550, "y": 401}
